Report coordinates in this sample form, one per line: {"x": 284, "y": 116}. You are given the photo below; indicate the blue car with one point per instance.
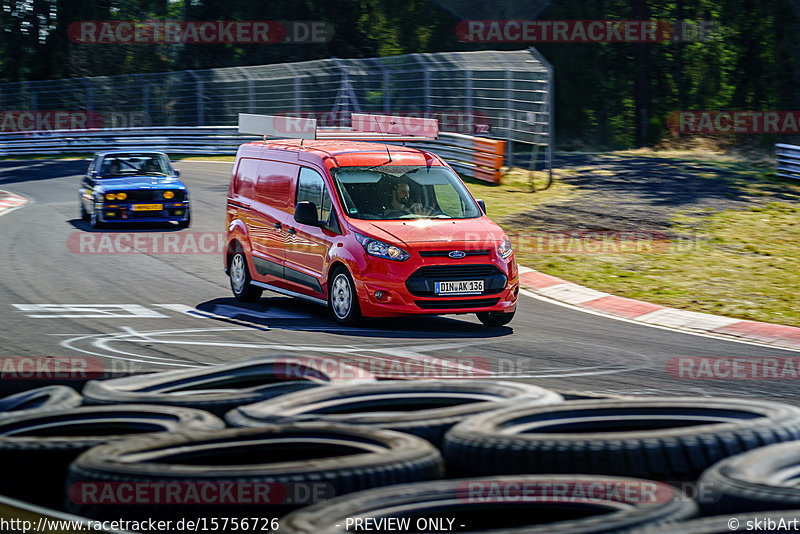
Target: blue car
{"x": 133, "y": 186}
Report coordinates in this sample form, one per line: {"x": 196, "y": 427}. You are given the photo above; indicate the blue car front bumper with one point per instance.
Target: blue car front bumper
{"x": 133, "y": 212}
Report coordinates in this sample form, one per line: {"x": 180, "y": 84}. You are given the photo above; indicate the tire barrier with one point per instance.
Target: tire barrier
{"x": 308, "y": 433}
{"x": 278, "y": 468}
{"x": 671, "y": 439}
{"x": 760, "y": 479}
{"x": 527, "y": 503}
{"x": 220, "y": 388}
{"x": 425, "y": 408}
{"x": 39, "y": 400}
{"x": 36, "y": 449}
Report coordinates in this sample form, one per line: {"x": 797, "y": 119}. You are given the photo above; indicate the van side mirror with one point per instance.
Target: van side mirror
{"x": 306, "y": 213}
{"x": 482, "y": 204}
{"x": 177, "y": 173}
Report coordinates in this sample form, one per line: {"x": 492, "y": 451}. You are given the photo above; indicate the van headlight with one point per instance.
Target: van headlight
{"x": 381, "y": 249}
{"x": 504, "y": 249}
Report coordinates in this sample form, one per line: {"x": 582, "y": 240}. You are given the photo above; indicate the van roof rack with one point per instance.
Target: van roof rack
{"x": 365, "y": 127}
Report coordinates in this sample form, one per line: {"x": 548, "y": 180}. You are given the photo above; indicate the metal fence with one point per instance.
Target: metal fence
{"x": 471, "y": 156}
{"x": 788, "y": 160}
{"x": 504, "y": 95}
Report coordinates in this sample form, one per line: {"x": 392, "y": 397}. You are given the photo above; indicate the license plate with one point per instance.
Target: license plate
{"x": 146, "y": 207}
{"x": 460, "y": 287}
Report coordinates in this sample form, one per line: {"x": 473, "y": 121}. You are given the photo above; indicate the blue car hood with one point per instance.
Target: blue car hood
{"x": 140, "y": 182}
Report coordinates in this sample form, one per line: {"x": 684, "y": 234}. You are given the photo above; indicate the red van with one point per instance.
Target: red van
{"x": 367, "y": 229}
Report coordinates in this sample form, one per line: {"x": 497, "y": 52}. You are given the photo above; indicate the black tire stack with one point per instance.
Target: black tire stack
{"x": 322, "y": 449}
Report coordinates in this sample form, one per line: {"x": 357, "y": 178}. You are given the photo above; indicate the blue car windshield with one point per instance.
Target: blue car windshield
{"x": 135, "y": 164}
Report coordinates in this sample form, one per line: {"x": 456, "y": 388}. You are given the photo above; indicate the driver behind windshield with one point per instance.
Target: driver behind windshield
{"x": 151, "y": 167}
{"x": 400, "y": 203}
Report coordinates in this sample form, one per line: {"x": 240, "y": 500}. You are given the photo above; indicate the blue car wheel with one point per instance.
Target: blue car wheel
{"x": 94, "y": 219}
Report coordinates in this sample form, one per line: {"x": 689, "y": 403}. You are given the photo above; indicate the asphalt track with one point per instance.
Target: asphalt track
{"x": 148, "y": 311}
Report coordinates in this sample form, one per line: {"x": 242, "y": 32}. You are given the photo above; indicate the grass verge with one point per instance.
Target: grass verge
{"x": 742, "y": 263}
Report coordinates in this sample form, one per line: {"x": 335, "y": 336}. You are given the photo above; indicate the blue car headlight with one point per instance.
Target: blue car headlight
{"x": 381, "y": 249}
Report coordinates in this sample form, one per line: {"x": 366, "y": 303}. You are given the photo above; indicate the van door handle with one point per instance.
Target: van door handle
{"x": 277, "y": 225}
{"x": 291, "y": 231}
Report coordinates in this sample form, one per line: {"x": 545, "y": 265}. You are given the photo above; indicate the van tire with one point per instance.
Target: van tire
{"x": 495, "y": 318}
{"x": 341, "y": 291}
{"x": 240, "y": 279}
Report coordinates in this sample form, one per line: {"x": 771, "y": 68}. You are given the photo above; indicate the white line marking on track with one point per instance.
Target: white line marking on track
{"x": 87, "y": 311}
{"x": 510, "y": 367}
{"x": 717, "y": 337}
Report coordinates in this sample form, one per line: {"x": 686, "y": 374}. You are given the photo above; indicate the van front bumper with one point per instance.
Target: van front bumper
{"x": 396, "y": 291}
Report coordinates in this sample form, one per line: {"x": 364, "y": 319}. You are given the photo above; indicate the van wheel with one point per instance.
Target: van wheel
{"x": 495, "y": 318}
{"x": 343, "y": 299}
{"x": 243, "y": 291}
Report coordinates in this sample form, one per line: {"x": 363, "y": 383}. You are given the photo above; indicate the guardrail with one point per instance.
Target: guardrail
{"x": 788, "y": 161}
{"x": 476, "y": 157}
{"x": 188, "y": 140}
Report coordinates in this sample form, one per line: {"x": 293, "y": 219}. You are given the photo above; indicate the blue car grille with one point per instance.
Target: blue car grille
{"x": 152, "y": 195}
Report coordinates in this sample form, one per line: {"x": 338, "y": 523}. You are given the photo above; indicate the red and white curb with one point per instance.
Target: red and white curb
{"x": 636, "y": 310}
{"x": 10, "y": 201}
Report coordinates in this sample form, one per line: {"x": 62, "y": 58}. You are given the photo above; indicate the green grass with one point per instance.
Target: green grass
{"x": 737, "y": 263}
{"x": 519, "y": 191}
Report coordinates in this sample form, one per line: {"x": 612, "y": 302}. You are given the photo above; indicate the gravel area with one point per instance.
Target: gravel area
{"x": 630, "y": 193}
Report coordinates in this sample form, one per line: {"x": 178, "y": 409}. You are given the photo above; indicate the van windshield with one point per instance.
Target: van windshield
{"x": 403, "y": 192}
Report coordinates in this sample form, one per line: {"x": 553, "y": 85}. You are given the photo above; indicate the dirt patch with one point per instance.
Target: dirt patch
{"x": 634, "y": 193}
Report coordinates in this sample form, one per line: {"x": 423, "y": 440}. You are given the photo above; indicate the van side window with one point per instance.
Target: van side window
{"x": 246, "y": 176}
{"x": 311, "y": 187}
